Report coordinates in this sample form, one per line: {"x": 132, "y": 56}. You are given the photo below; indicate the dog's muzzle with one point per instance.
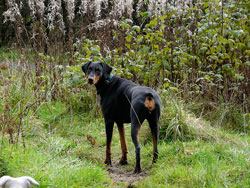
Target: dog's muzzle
{"x": 91, "y": 80}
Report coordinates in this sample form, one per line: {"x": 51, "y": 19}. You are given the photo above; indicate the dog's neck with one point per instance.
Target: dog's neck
{"x": 102, "y": 84}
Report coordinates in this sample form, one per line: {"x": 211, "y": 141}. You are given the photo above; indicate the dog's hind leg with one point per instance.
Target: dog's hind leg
{"x": 134, "y": 134}
{"x": 109, "y": 133}
{"x": 136, "y": 122}
{"x": 123, "y": 160}
{"x": 153, "y": 123}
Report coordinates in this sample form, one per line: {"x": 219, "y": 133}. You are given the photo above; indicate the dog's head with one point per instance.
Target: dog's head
{"x": 96, "y": 71}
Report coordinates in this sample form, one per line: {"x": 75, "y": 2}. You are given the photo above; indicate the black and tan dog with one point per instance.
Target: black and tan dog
{"x": 123, "y": 101}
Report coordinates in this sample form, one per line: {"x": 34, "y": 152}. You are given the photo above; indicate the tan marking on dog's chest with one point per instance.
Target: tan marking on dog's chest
{"x": 96, "y": 79}
{"x": 149, "y": 103}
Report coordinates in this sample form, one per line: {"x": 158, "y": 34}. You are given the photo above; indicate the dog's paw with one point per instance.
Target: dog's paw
{"x": 137, "y": 170}
{"x": 123, "y": 161}
{"x": 155, "y": 157}
{"x": 108, "y": 162}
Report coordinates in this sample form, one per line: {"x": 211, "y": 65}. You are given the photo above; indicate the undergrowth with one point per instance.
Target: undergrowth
{"x": 198, "y": 60}
{"x": 61, "y": 143}
{"x": 67, "y": 149}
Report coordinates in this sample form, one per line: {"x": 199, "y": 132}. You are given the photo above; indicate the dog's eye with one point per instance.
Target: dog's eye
{"x": 97, "y": 70}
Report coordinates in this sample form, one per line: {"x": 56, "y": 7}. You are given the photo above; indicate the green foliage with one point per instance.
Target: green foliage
{"x": 202, "y": 49}
{"x": 53, "y": 165}
{"x": 63, "y": 156}
{"x": 198, "y": 164}
{"x": 173, "y": 120}
{"x": 47, "y": 119}
{"x": 200, "y": 52}
{"x": 228, "y": 116}
{"x": 55, "y": 148}
{"x": 9, "y": 55}
{"x": 88, "y": 51}
{"x": 3, "y": 167}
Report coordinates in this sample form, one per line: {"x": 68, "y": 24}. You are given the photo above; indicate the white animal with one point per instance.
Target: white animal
{"x": 21, "y": 182}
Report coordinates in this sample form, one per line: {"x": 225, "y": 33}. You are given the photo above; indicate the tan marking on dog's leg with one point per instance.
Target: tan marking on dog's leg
{"x": 155, "y": 152}
{"x": 123, "y": 159}
{"x": 108, "y": 154}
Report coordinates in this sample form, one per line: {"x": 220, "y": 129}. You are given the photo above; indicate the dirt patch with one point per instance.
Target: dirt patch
{"x": 119, "y": 174}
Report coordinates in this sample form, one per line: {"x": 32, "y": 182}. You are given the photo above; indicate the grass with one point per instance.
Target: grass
{"x": 9, "y": 55}
{"x": 59, "y": 154}
{"x": 201, "y": 164}
{"x": 49, "y": 163}
{"x": 63, "y": 143}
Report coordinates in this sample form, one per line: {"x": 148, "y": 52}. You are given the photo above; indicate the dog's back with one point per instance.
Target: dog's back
{"x": 121, "y": 95}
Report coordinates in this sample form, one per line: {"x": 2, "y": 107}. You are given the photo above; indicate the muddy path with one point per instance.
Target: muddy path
{"x": 119, "y": 173}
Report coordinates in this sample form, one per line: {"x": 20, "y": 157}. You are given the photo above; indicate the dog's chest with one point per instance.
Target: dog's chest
{"x": 116, "y": 108}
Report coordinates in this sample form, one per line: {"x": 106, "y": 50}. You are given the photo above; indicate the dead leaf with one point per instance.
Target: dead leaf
{"x": 4, "y": 67}
{"x": 91, "y": 140}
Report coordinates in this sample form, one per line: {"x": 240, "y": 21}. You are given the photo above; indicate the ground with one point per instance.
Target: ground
{"x": 61, "y": 147}
{"x": 119, "y": 174}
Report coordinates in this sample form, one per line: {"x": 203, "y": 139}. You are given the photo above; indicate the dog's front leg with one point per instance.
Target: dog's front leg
{"x": 109, "y": 133}
{"x": 123, "y": 160}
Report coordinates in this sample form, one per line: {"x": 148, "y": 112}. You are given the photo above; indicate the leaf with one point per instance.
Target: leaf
{"x": 175, "y": 60}
{"x": 91, "y": 140}
{"x": 173, "y": 89}
{"x": 128, "y": 46}
{"x": 129, "y": 38}
{"x": 207, "y": 77}
{"x": 165, "y": 63}
{"x": 247, "y": 63}
{"x": 4, "y": 67}
{"x": 239, "y": 77}
{"x": 107, "y": 60}
{"x": 237, "y": 33}
{"x": 146, "y": 14}
{"x": 205, "y": 5}
{"x": 166, "y": 85}
{"x": 203, "y": 49}
{"x": 152, "y": 23}
{"x": 136, "y": 28}
{"x": 125, "y": 25}
{"x": 95, "y": 50}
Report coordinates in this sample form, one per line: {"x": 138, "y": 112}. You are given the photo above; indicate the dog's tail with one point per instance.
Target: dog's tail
{"x": 149, "y": 101}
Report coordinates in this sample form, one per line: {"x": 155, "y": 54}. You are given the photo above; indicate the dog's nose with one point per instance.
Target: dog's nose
{"x": 91, "y": 80}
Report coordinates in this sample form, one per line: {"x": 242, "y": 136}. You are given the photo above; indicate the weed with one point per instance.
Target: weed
{"x": 9, "y": 55}
{"x": 3, "y": 167}
{"x": 63, "y": 139}
{"x": 230, "y": 116}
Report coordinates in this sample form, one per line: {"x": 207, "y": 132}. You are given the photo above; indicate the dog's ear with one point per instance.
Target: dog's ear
{"x": 85, "y": 67}
{"x": 4, "y": 180}
{"x": 31, "y": 180}
{"x": 106, "y": 70}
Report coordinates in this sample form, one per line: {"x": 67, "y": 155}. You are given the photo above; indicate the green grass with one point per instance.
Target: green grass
{"x": 50, "y": 164}
{"x": 201, "y": 164}
{"x": 55, "y": 159}
{"x": 58, "y": 154}
{"x": 9, "y": 55}
{"x": 193, "y": 151}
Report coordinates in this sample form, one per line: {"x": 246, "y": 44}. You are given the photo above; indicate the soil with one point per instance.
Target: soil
{"x": 119, "y": 174}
